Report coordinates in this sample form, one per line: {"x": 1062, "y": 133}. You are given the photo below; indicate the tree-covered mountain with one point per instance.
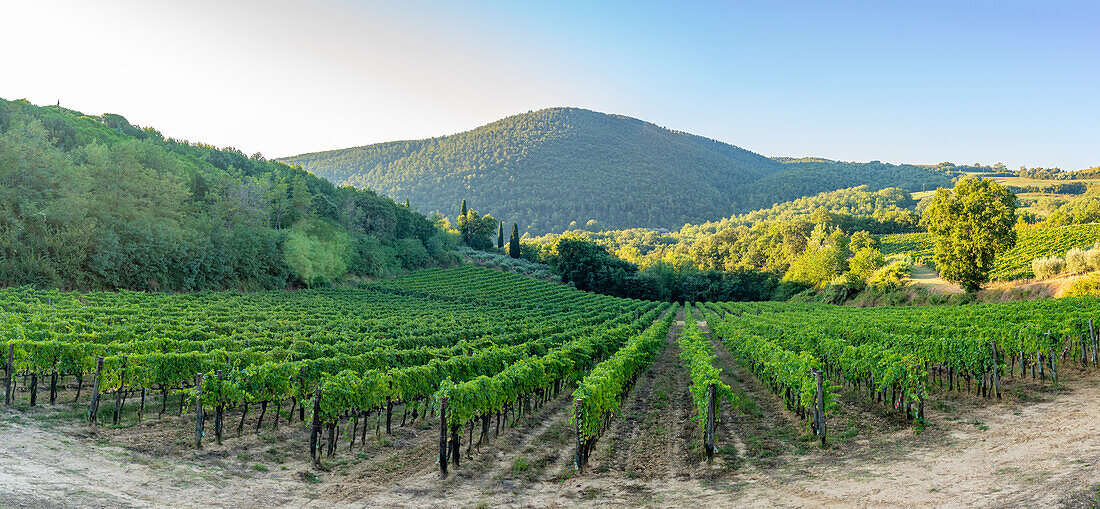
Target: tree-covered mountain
{"x": 562, "y": 168}
{"x": 93, "y": 202}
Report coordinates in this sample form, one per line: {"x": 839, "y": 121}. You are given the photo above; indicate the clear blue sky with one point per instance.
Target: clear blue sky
{"x": 916, "y": 82}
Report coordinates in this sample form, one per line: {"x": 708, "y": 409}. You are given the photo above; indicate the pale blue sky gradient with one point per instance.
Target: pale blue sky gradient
{"x": 920, "y": 82}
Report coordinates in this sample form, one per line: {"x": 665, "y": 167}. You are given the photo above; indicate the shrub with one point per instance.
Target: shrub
{"x": 890, "y": 276}
{"x": 1085, "y": 286}
{"x": 1092, "y": 256}
{"x": 865, "y": 262}
{"x": 1076, "y": 261}
{"x": 412, "y": 253}
{"x": 1047, "y": 267}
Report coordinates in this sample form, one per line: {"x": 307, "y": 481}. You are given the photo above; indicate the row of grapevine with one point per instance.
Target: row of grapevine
{"x": 351, "y": 351}
{"x": 897, "y": 355}
{"x": 537, "y": 377}
{"x": 600, "y": 394}
{"x": 1031, "y": 242}
{"x": 707, "y": 389}
{"x": 790, "y": 373}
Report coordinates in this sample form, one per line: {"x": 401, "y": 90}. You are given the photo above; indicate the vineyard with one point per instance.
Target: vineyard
{"x": 471, "y": 342}
{"x": 1031, "y": 243}
{"x": 417, "y": 376}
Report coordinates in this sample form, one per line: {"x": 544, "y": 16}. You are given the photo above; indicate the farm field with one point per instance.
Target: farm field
{"x": 513, "y": 357}
{"x": 1023, "y": 182}
{"x": 1013, "y": 264}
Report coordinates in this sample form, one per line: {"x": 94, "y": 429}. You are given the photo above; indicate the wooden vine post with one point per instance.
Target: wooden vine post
{"x": 119, "y": 391}
{"x": 9, "y": 369}
{"x": 315, "y": 433}
{"x": 1053, "y": 367}
{"x": 708, "y": 437}
{"x": 302, "y": 391}
{"x": 442, "y": 436}
{"x": 389, "y": 412}
{"x": 1092, "y": 335}
{"x": 34, "y": 387}
{"x": 198, "y": 410}
{"x": 456, "y": 445}
{"x": 996, "y": 369}
{"x": 93, "y": 407}
{"x": 578, "y": 414}
{"x": 819, "y": 405}
{"x": 219, "y": 411}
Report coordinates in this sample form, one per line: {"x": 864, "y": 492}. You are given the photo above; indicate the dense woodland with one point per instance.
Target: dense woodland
{"x": 92, "y": 202}
{"x": 567, "y": 168}
{"x": 806, "y": 244}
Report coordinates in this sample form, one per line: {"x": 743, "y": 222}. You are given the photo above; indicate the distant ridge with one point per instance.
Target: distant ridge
{"x": 561, "y": 168}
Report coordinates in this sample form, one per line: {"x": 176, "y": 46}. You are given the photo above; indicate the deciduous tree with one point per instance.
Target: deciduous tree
{"x": 971, "y": 224}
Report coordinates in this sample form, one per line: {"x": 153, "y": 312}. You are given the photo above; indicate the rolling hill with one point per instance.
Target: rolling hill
{"x": 91, "y": 202}
{"x": 561, "y": 168}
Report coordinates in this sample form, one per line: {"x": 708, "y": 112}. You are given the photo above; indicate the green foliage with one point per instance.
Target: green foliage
{"x": 602, "y": 388}
{"x": 918, "y": 246}
{"x": 513, "y": 242}
{"x": 891, "y": 276}
{"x": 697, "y": 354}
{"x": 505, "y": 262}
{"x": 892, "y": 348}
{"x": 318, "y": 251}
{"x": 1073, "y": 188}
{"x": 486, "y": 395}
{"x": 751, "y": 249}
{"x": 853, "y": 209}
{"x": 1048, "y": 267}
{"x": 589, "y": 266}
{"x": 971, "y": 225}
{"x": 1085, "y": 286}
{"x": 477, "y": 230}
{"x": 1032, "y": 242}
{"x": 786, "y": 367}
{"x": 400, "y": 340}
{"x": 560, "y": 166}
{"x": 1058, "y": 173}
{"x": 824, "y": 258}
{"x": 866, "y": 262}
{"x": 1077, "y": 261}
{"x": 97, "y": 203}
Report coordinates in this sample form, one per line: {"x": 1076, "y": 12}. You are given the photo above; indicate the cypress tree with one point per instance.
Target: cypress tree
{"x": 406, "y": 203}
{"x": 513, "y": 243}
{"x": 500, "y": 234}
{"x": 465, "y": 228}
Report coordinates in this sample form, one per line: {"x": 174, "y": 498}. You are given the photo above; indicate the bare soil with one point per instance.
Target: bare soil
{"x": 925, "y": 277}
{"x": 1037, "y": 447}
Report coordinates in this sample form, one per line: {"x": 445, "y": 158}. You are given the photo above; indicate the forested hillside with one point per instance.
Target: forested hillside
{"x": 771, "y": 253}
{"x": 564, "y": 168}
{"x": 92, "y": 202}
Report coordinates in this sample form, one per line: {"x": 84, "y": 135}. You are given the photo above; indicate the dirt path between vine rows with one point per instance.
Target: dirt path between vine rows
{"x": 1038, "y": 447}
{"x": 646, "y": 439}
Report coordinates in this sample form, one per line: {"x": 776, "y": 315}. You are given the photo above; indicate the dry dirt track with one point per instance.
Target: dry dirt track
{"x": 1009, "y": 454}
